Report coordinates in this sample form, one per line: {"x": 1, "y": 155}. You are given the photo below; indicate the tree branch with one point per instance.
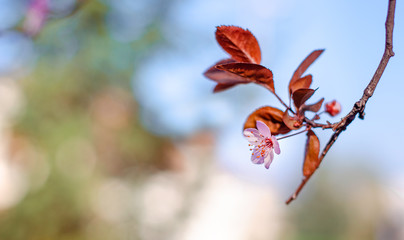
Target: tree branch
{"x": 359, "y": 106}
{"x": 319, "y": 125}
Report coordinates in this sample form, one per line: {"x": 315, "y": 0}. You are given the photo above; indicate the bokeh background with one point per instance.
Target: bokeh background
{"x": 110, "y": 131}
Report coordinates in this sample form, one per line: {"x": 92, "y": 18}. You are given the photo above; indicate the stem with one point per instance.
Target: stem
{"x": 280, "y": 100}
{"x": 307, "y": 129}
{"x": 359, "y": 106}
{"x": 318, "y": 125}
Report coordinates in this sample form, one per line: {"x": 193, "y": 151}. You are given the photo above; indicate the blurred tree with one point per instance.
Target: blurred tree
{"x": 81, "y": 119}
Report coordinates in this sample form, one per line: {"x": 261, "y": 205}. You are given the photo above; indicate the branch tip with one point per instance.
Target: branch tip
{"x": 359, "y": 106}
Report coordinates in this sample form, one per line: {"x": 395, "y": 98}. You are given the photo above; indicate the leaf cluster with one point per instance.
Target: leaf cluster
{"x": 243, "y": 67}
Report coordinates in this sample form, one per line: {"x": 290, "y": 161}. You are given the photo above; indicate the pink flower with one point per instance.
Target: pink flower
{"x": 35, "y": 17}
{"x": 333, "y": 108}
{"x": 264, "y": 143}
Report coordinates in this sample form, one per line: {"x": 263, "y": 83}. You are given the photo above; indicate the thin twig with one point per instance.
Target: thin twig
{"x": 359, "y": 106}
{"x": 294, "y": 134}
{"x": 280, "y": 100}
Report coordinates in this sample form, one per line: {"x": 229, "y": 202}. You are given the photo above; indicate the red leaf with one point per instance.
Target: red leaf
{"x": 300, "y": 96}
{"x": 239, "y": 43}
{"x": 221, "y": 87}
{"x": 312, "y": 107}
{"x": 272, "y": 117}
{"x": 306, "y": 64}
{"x": 293, "y": 123}
{"x": 303, "y": 82}
{"x": 253, "y": 72}
{"x": 311, "y": 159}
{"x": 224, "y": 77}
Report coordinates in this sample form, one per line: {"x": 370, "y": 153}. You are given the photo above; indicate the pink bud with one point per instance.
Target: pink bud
{"x": 333, "y": 108}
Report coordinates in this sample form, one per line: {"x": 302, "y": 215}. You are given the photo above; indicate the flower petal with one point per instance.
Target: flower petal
{"x": 258, "y": 155}
{"x": 268, "y": 159}
{"x": 263, "y": 129}
{"x": 277, "y": 149}
{"x": 252, "y": 136}
{"x": 255, "y": 160}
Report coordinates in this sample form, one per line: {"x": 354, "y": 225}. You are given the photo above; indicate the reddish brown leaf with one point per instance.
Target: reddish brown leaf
{"x": 306, "y": 64}
{"x": 224, "y": 77}
{"x": 293, "y": 123}
{"x": 312, "y": 107}
{"x": 303, "y": 82}
{"x": 272, "y": 117}
{"x": 221, "y": 87}
{"x": 300, "y": 96}
{"x": 239, "y": 43}
{"x": 253, "y": 72}
{"x": 311, "y": 159}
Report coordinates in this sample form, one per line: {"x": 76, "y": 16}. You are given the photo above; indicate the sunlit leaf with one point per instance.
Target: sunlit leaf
{"x": 272, "y": 117}
{"x": 253, "y": 72}
{"x": 303, "y": 82}
{"x": 239, "y": 43}
{"x": 312, "y": 107}
{"x": 306, "y": 64}
{"x": 293, "y": 123}
{"x": 223, "y": 77}
{"x": 311, "y": 159}
{"x": 300, "y": 96}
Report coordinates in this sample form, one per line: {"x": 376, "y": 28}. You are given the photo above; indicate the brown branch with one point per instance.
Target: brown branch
{"x": 359, "y": 106}
{"x": 319, "y": 125}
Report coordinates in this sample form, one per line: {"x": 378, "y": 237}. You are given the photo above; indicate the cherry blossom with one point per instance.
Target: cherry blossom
{"x": 264, "y": 144}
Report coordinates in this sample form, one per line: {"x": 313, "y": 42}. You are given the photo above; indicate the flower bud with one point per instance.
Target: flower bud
{"x": 333, "y": 108}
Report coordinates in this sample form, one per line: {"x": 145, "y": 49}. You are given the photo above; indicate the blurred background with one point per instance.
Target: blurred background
{"x": 108, "y": 130}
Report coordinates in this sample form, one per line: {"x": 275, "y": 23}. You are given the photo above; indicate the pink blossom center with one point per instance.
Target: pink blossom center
{"x": 269, "y": 143}
{"x": 266, "y": 143}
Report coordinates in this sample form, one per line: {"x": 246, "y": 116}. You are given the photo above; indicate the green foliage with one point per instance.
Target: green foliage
{"x": 78, "y": 97}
